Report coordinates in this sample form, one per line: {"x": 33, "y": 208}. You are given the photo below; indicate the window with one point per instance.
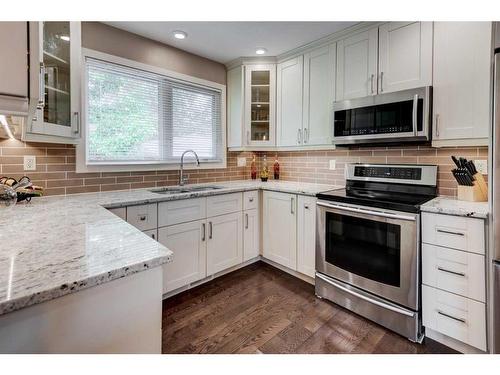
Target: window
{"x": 135, "y": 116}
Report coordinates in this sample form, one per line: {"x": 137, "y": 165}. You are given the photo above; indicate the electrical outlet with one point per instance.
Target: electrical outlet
{"x": 242, "y": 161}
{"x": 332, "y": 165}
{"x": 30, "y": 163}
{"x": 481, "y": 166}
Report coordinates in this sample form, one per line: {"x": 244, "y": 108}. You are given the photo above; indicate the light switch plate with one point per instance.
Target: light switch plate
{"x": 29, "y": 162}
{"x": 481, "y": 166}
{"x": 333, "y": 165}
{"x": 242, "y": 162}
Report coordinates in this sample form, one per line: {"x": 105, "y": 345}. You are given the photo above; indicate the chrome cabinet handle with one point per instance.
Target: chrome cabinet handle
{"x": 210, "y": 230}
{"x": 246, "y": 221}
{"x": 450, "y": 271}
{"x": 306, "y": 206}
{"x": 372, "y": 77}
{"x": 250, "y": 200}
{"x": 381, "y": 81}
{"x": 299, "y": 136}
{"x": 41, "y": 88}
{"x": 203, "y": 232}
{"x": 414, "y": 114}
{"x": 76, "y": 115}
{"x": 292, "y": 205}
{"x": 461, "y": 320}
{"x": 153, "y": 236}
{"x": 142, "y": 218}
{"x": 306, "y": 135}
{"x": 437, "y": 125}
{"x": 450, "y": 232}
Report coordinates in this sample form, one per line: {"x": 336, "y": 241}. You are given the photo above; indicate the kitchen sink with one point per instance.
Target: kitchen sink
{"x": 184, "y": 189}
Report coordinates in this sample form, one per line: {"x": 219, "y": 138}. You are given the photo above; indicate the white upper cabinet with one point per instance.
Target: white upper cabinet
{"x": 235, "y": 119}
{"x": 55, "y": 82}
{"x": 260, "y": 92}
{"x": 319, "y": 94}
{"x": 289, "y": 102}
{"x": 405, "y": 55}
{"x": 14, "y": 67}
{"x": 357, "y": 65}
{"x": 461, "y": 88}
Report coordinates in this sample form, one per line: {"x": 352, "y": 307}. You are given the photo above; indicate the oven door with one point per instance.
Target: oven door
{"x": 372, "y": 249}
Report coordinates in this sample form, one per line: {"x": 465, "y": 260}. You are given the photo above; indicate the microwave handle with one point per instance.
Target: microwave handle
{"x": 414, "y": 114}
{"x": 368, "y": 212}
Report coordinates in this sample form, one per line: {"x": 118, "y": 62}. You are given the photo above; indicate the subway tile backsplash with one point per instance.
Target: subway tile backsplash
{"x": 56, "y": 167}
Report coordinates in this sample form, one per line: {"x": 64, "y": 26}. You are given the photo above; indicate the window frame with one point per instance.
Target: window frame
{"x": 81, "y": 147}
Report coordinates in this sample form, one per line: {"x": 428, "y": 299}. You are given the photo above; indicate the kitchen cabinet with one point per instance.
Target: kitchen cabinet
{"x": 224, "y": 242}
{"x": 289, "y": 102}
{"x": 14, "y": 67}
{"x": 143, "y": 217}
{"x": 405, "y": 56}
{"x": 251, "y": 234}
{"x": 319, "y": 94}
{"x": 306, "y": 235}
{"x": 279, "y": 213}
{"x": 259, "y": 98}
{"x": 461, "y": 85}
{"x": 55, "y": 82}
{"x": 357, "y": 65}
{"x": 188, "y": 241}
{"x": 235, "y": 101}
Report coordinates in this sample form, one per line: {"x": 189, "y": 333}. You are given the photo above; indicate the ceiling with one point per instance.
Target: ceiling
{"x": 226, "y": 41}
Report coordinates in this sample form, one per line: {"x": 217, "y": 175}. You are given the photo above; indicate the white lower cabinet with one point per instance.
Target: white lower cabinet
{"x": 280, "y": 228}
{"x": 306, "y": 235}
{"x": 251, "y": 234}
{"x": 225, "y": 242}
{"x": 188, "y": 242}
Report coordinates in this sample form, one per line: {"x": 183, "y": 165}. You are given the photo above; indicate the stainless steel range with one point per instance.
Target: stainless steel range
{"x": 368, "y": 243}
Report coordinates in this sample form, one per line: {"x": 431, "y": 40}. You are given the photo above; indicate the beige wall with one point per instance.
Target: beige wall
{"x": 121, "y": 43}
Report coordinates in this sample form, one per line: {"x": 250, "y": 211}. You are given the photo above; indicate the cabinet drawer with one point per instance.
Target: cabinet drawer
{"x": 455, "y": 271}
{"x": 224, "y": 204}
{"x": 181, "y": 211}
{"x": 121, "y": 212}
{"x": 250, "y": 200}
{"x": 458, "y": 317}
{"x": 143, "y": 217}
{"x": 461, "y": 233}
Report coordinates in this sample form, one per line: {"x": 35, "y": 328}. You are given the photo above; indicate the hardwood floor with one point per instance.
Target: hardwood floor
{"x": 260, "y": 309}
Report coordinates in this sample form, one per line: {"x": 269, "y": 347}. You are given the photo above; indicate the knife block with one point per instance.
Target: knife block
{"x": 476, "y": 193}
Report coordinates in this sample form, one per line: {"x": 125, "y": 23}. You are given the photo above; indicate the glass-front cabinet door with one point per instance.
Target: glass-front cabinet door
{"x": 260, "y": 91}
{"x": 55, "y": 49}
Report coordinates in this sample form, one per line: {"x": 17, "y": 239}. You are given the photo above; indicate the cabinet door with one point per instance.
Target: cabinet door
{"x": 462, "y": 72}
{"x": 306, "y": 235}
{"x": 188, "y": 242}
{"x": 289, "y": 102}
{"x": 14, "y": 65}
{"x": 280, "y": 228}
{"x": 405, "y": 56}
{"x": 55, "y": 80}
{"x": 357, "y": 65}
{"x": 235, "y": 124}
{"x": 260, "y": 92}
{"x": 319, "y": 94}
{"x": 225, "y": 242}
{"x": 251, "y": 234}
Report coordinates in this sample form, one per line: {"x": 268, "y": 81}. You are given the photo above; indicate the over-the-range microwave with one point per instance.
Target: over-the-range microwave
{"x": 402, "y": 116}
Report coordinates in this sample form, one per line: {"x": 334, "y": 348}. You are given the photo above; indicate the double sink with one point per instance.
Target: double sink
{"x": 185, "y": 189}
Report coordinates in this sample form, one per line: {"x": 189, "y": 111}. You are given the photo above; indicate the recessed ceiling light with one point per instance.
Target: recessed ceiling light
{"x": 180, "y": 34}
{"x": 260, "y": 51}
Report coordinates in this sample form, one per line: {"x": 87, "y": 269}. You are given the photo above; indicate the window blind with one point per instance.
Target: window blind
{"x": 139, "y": 117}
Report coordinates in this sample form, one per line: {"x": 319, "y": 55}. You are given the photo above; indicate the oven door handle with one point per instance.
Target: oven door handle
{"x": 368, "y": 212}
{"x": 414, "y": 114}
{"x": 364, "y": 297}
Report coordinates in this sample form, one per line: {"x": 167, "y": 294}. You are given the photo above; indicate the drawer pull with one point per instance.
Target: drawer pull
{"x": 142, "y": 218}
{"x": 451, "y": 317}
{"x": 450, "y": 232}
{"x": 250, "y": 199}
{"x": 246, "y": 221}
{"x": 452, "y": 272}
{"x": 203, "y": 231}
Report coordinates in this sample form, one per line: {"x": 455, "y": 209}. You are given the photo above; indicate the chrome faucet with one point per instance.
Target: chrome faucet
{"x": 182, "y": 179}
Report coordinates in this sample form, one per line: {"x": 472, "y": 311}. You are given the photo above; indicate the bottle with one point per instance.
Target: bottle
{"x": 264, "y": 173}
{"x": 253, "y": 169}
{"x": 276, "y": 168}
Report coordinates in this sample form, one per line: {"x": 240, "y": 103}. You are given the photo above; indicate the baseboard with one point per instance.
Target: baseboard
{"x": 451, "y": 342}
{"x": 299, "y": 275}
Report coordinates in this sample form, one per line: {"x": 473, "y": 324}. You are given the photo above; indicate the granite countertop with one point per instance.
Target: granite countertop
{"x": 452, "y": 206}
{"x": 59, "y": 245}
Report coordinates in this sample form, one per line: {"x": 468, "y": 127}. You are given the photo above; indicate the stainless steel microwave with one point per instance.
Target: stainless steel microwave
{"x": 402, "y": 116}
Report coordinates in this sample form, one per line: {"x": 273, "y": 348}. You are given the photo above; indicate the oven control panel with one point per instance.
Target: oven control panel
{"x": 400, "y": 173}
